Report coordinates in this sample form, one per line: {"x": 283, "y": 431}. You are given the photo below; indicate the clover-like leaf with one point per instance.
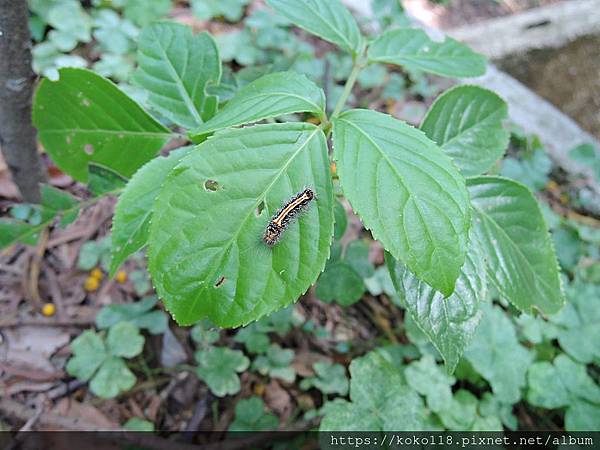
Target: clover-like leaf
{"x": 380, "y": 400}
{"x": 406, "y": 191}
{"x": 414, "y": 50}
{"x": 449, "y": 323}
{"x": 521, "y": 262}
{"x": 328, "y": 19}
{"x": 329, "y": 379}
{"x": 578, "y": 324}
{"x": 124, "y": 339}
{"x": 255, "y": 340}
{"x": 204, "y": 333}
{"x": 175, "y": 67}
{"x": 112, "y": 378}
{"x": 466, "y": 121}
{"x": 218, "y": 368}
{"x": 276, "y": 363}
{"x": 250, "y": 416}
{"x": 270, "y": 96}
{"x": 89, "y": 352}
{"x": 139, "y": 314}
{"x": 134, "y": 209}
{"x": 428, "y": 379}
{"x": 84, "y": 118}
{"x": 206, "y": 254}
{"x": 101, "y": 360}
{"x": 496, "y": 354}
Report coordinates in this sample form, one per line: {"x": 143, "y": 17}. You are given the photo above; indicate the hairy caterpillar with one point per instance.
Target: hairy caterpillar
{"x": 285, "y": 215}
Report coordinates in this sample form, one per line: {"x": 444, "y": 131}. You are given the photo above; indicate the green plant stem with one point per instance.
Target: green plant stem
{"x": 350, "y": 82}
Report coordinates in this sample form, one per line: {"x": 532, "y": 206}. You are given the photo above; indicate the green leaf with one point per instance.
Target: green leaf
{"x": 589, "y": 155}
{"x": 137, "y": 424}
{"x": 204, "y": 333}
{"x": 380, "y": 400}
{"x": 357, "y": 257}
{"x": 449, "y": 323}
{"x": 406, "y": 191}
{"x": 497, "y": 355}
{"x": 521, "y": 262}
{"x": 340, "y": 282}
{"x": 84, "y": 118}
{"x": 250, "y": 416}
{"x": 139, "y": 314}
{"x": 206, "y": 256}
{"x": 276, "y": 363}
{"x": 565, "y": 383}
{"x": 533, "y": 169}
{"x": 143, "y": 12}
{"x": 466, "y": 121}
{"x": 328, "y": 19}
{"x": 341, "y": 220}
{"x": 414, "y": 50}
{"x": 88, "y": 354}
{"x": 124, "y": 339}
{"x": 272, "y": 95}
{"x": 578, "y": 323}
{"x": 112, "y": 378}
{"x": 12, "y": 231}
{"x": 175, "y": 67}
{"x": 428, "y": 379}
{"x": 462, "y": 413}
{"x": 218, "y": 367}
{"x": 329, "y": 379}
{"x": 133, "y": 212}
{"x": 255, "y": 340}
{"x": 232, "y": 10}
{"x": 102, "y": 180}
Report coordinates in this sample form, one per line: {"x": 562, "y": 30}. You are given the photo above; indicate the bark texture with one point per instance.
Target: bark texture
{"x": 18, "y": 137}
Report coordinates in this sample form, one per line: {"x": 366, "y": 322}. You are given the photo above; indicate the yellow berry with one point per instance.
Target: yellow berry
{"x": 97, "y": 274}
{"x": 259, "y": 389}
{"x": 121, "y": 276}
{"x": 91, "y": 284}
{"x": 48, "y": 309}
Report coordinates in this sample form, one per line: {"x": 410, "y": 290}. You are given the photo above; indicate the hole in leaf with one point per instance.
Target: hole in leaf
{"x": 211, "y": 185}
{"x": 260, "y": 208}
{"x": 88, "y": 148}
{"x": 220, "y": 282}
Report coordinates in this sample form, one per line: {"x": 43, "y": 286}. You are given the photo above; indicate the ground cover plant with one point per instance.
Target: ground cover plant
{"x": 468, "y": 318}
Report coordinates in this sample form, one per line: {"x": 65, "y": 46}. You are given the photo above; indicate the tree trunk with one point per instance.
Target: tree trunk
{"x": 18, "y": 137}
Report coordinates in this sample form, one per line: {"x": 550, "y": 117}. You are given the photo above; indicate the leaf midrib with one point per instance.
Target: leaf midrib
{"x": 410, "y": 192}
{"x": 227, "y": 247}
{"x": 178, "y": 81}
{"x": 513, "y": 245}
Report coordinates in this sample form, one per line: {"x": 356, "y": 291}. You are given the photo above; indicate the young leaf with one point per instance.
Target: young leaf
{"x": 175, "y": 67}
{"x": 12, "y": 231}
{"x": 466, "y": 121}
{"x": 328, "y": 19}
{"x": 134, "y": 209}
{"x": 449, "y": 323}
{"x": 83, "y": 117}
{"x": 521, "y": 262}
{"x": 218, "y": 367}
{"x": 496, "y": 354}
{"x": 113, "y": 377}
{"x": 414, "y": 50}
{"x": 406, "y": 191}
{"x": 380, "y": 400}
{"x": 270, "y": 96}
{"x": 206, "y": 254}
{"x": 340, "y": 282}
